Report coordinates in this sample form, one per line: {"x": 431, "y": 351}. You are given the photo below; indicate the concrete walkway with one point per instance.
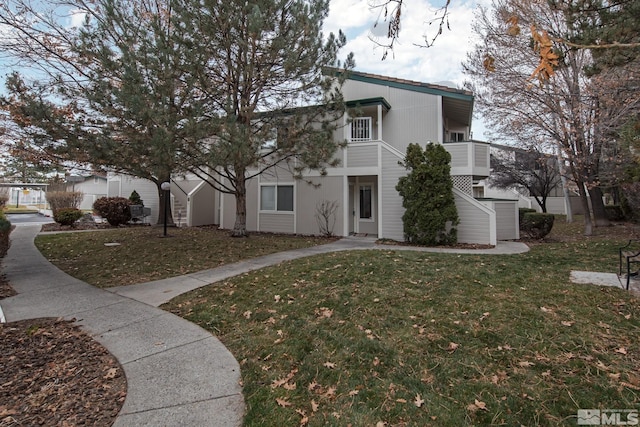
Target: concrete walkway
{"x": 177, "y": 373}
{"x": 158, "y": 292}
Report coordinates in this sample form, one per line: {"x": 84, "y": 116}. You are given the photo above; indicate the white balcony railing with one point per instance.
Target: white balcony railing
{"x": 361, "y": 129}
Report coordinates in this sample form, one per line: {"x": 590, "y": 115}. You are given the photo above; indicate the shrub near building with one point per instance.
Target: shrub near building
{"x": 430, "y": 216}
{"x": 67, "y": 216}
{"x": 64, "y": 199}
{"x": 114, "y": 209}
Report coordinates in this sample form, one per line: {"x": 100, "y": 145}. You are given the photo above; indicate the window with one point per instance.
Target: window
{"x": 276, "y": 198}
{"x": 361, "y": 129}
{"x": 366, "y": 202}
{"x": 457, "y": 136}
{"x": 277, "y": 138}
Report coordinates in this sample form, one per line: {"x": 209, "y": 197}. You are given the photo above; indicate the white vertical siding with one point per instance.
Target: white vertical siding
{"x": 507, "y": 220}
{"x": 392, "y": 209}
{"x": 477, "y": 222}
{"x": 123, "y": 186}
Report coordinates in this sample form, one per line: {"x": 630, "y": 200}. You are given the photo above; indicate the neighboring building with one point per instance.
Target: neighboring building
{"x": 556, "y": 201}
{"x": 387, "y": 115}
{"x": 92, "y": 186}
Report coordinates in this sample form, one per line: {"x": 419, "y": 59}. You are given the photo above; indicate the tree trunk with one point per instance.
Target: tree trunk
{"x": 584, "y": 201}
{"x": 240, "y": 227}
{"x": 162, "y": 207}
{"x": 599, "y": 214}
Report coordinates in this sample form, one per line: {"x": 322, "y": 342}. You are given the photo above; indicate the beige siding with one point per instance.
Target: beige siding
{"x": 229, "y": 208}
{"x": 476, "y": 220}
{"x": 413, "y": 117}
{"x": 277, "y": 223}
{"x": 91, "y": 191}
{"x": 281, "y": 172}
{"x": 308, "y": 197}
{"x": 363, "y": 155}
{"x": 392, "y": 209}
{"x": 481, "y": 155}
{"x": 506, "y": 220}
{"x": 459, "y": 154}
{"x": 468, "y": 158}
{"x": 203, "y": 205}
{"x": 228, "y": 211}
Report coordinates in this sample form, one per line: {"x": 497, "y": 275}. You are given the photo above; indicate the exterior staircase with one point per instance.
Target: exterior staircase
{"x": 179, "y": 213}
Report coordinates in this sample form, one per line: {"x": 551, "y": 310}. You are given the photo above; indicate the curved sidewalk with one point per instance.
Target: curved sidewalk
{"x": 158, "y": 292}
{"x": 177, "y": 373}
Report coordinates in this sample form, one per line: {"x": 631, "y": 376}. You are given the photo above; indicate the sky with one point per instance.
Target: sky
{"x": 436, "y": 64}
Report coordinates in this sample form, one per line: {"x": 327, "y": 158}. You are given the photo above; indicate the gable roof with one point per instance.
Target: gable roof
{"x": 405, "y": 84}
{"x": 457, "y": 104}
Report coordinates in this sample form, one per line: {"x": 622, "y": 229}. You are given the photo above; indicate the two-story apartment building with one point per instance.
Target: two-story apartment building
{"x": 385, "y": 115}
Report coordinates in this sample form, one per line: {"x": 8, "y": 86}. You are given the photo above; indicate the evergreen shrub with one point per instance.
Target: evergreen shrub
{"x": 430, "y": 216}
{"x": 522, "y": 212}
{"x": 536, "y": 225}
{"x": 614, "y": 212}
{"x": 67, "y": 216}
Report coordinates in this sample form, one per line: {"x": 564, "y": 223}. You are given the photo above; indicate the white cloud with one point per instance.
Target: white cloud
{"x": 77, "y": 18}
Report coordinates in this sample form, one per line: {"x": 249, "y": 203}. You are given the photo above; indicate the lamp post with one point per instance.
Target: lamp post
{"x": 166, "y": 187}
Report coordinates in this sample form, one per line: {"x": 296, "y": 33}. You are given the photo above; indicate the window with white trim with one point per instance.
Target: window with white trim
{"x": 278, "y": 198}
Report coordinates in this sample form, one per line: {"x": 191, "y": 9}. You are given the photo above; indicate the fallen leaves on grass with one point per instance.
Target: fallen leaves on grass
{"x": 477, "y": 405}
{"x": 283, "y": 402}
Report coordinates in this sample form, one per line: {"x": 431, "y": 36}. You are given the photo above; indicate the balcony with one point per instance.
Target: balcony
{"x": 361, "y": 129}
{"x": 469, "y": 158}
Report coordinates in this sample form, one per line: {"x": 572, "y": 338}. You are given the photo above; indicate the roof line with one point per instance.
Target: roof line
{"x": 406, "y": 84}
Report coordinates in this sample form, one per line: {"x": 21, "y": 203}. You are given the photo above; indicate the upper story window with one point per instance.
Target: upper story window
{"x": 456, "y": 136}
{"x": 361, "y": 129}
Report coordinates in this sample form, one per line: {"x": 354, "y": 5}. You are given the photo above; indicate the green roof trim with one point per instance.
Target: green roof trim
{"x": 368, "y": 102}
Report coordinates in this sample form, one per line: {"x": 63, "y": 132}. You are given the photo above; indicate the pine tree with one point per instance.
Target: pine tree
{"x": 155, "y": 88}
{"x": 269, "y": 72}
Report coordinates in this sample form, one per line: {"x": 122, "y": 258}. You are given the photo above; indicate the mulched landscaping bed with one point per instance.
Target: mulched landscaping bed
{"x": 54, "y": 374}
